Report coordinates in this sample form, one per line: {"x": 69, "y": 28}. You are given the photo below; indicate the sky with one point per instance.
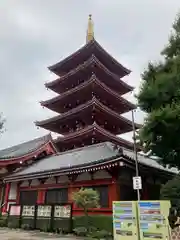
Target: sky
{"x": 38, "y": 33}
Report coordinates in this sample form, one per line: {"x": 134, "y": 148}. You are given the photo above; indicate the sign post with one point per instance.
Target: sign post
{"x": 137, "y": 183}
{"x": 136, "y": 158}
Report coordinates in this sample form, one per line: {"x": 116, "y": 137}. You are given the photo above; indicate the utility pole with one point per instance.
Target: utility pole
{"x": 135, "y": 153}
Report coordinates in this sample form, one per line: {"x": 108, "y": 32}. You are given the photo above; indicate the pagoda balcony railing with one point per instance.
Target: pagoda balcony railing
{"x": 91, "y": 61}
{"x": 93, "y": 80}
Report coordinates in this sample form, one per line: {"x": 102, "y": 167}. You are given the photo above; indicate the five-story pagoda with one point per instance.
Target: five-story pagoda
{"x": 89, "y": 102}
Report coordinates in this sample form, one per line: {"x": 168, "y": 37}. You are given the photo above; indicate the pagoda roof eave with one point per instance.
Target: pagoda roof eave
{"x": 113, "y": 158}
{"x": 92, "y": 80}
{"x": 94, "y": 129}
{"x": 26, "y": 155}
{"x": 92, "y": 103}
{"x": 90, "y": 44}
{"x": 87, "y": 63}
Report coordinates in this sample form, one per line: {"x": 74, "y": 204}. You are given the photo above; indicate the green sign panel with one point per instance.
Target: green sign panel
{"x": 143, "y": 220}
{"x": 153, "y": 219}
{"x": 125, "y": 220}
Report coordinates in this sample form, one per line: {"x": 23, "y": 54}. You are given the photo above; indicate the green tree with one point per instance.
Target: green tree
{"x": 2, "y": 121}
{"x": 171, "y": 191}
{"x": 86, "y": 198}
{"x": 159, "y": 97}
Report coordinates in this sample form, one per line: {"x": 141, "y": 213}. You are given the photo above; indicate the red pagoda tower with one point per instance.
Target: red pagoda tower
{"x": 89, "y": 102}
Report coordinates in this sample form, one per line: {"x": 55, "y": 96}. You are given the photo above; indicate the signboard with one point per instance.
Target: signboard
{"x": 44, "y": 211}
{"x": 137, "y": 183}
{"x": 144, "y": 220}
{"x": 125, "y": 220}
{"x": 153, "y": 220}
{"x": 62, "y": 211}
{"x": 28, "y": 211}
{"x": 15, "y": 210}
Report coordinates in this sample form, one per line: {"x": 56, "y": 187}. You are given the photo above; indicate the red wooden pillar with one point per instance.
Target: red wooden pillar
{"x": 6, "y": 197}
{"x": 41, "y": 196}
{"x": 114, "y": 193}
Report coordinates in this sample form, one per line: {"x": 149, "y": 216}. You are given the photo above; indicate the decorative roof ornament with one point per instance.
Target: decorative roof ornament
{"x": 90, "y": 30}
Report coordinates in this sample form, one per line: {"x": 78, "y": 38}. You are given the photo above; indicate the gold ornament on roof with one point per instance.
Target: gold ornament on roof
{"x": 90, "y": 30}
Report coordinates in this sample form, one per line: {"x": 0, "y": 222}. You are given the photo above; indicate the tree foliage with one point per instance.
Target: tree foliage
{"x": 86, "y": 198}
{"x": 159, "y": 97}
{"x": 171, "y": 191}
{"x": 2, "y": 121}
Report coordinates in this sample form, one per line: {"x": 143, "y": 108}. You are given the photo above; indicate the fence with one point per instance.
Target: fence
{"x": 43, "y": 217}
{"x": 175, "y": 233}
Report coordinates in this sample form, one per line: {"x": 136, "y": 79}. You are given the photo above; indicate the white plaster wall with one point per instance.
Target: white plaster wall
{"x": 50, "y": 181}
{"x": 63, "y": 179}
{"x": 13, "y": 191}
{"x": 25, "y": 184}
{"x": 3, "y": 170}
{"x": 102, "y": 174}
{"x": 83, "y": 177}
{"x": 35, "y": 182}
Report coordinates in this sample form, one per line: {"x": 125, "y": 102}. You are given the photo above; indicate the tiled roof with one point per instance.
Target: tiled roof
{"x": 94, "y": 46}
{"x": 72, "y": 158}
{"x": 23, "y": 148}
{"x": 85, "y": 156}
{"x": 148, "y": 161}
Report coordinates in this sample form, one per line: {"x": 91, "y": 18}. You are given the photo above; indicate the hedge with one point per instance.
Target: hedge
{"x": 101, "y": 222}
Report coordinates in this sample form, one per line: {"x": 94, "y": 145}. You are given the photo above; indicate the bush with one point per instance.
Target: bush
{"x": 103, "y": 234}
{"x": 171, "y": 191}
{"x": 26, "y": 227}
{"x": 86, "y": 198}
{"x": 45, "y": 228}
{"x": 12, "y": 225}
{"x": 3, "y": 222}
{"x": 80, "y": 231}
{"x": 100, "y": 222}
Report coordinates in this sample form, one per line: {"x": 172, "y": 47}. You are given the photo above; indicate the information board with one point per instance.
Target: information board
{"x": 153, "y": 220}
{"x": 125, "y": 220}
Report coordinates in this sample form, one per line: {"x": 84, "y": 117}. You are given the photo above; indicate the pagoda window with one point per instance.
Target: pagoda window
{"x": 54, "y": 196}
{"x": 28, "y": 197}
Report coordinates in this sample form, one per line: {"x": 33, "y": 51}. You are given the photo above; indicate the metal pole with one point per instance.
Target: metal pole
{"x": 135, "y": 152}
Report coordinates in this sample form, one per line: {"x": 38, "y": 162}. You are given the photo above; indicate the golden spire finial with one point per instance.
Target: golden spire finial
{"x": 90, "y": 30}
